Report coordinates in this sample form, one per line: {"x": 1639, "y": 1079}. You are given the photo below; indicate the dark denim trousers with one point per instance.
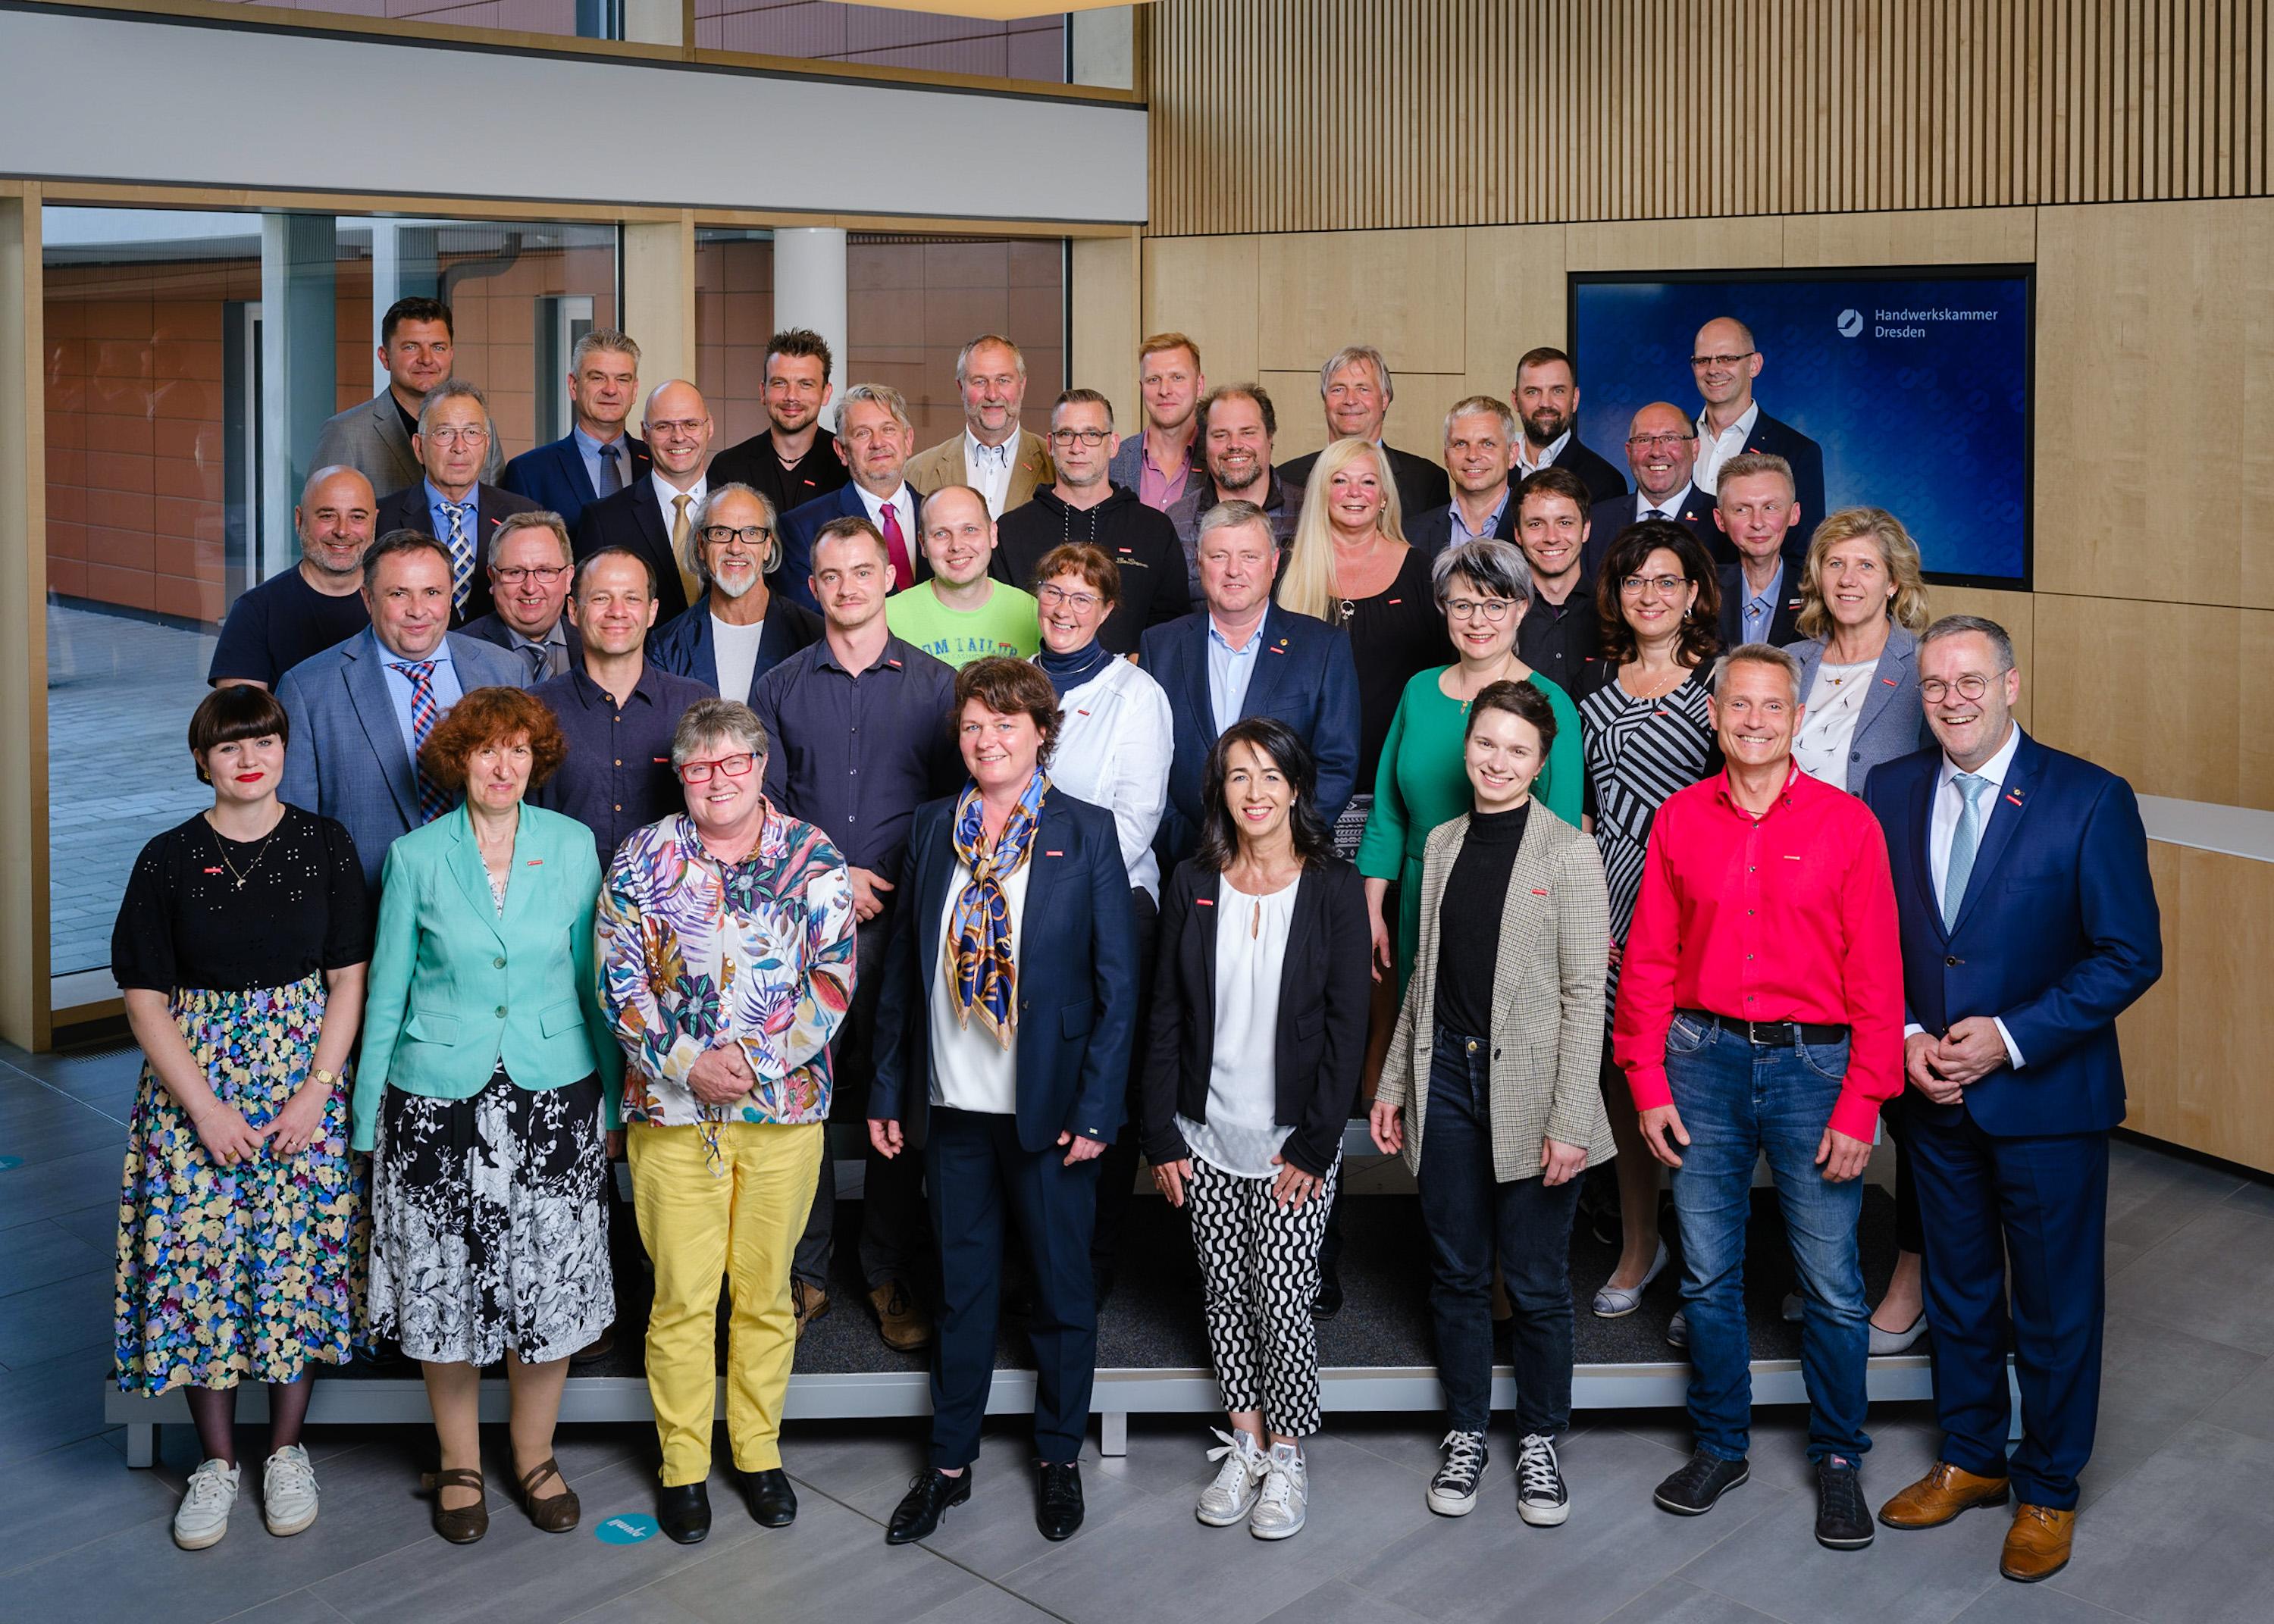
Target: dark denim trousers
{"x": 1469, "y": 1215}
{"x": 1737, "y": 1101}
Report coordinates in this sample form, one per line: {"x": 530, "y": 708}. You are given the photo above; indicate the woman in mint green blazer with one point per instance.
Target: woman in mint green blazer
{"x": 488, "y": 1085}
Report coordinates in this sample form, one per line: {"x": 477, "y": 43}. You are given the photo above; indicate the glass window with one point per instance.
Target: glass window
{"x": 913, "y": 302}
{"x": 191, "y": 360}
{"x": 594, "y": 20}
{"x": 1029, "y": 48}
{"x": 734, "y": 318}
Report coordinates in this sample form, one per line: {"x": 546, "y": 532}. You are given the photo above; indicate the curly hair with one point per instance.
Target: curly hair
{"x": 1701, "y": 632}
{"x": 491, "y": 716}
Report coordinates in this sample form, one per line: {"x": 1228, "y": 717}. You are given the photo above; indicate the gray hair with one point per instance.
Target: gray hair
{"x": 1494, "y": 567}
{"x": 1483, "y": 406}
{"x": 963, "y": 355}
{"x": 1223, "y": 515}
{"x": 1757, "y": 654}
{"x": 729, "y": 719}
{"x": 1366, "y": 353}
{"x": 878, "y": 394}
{"x": 607, "y": 339}
{"x": 453, "y": 389}
{"x": 514, "y": 523}
{"x": 696, "y": 563}
{"x": 1746, "y": 464}
{"x": 1960, "y": 625}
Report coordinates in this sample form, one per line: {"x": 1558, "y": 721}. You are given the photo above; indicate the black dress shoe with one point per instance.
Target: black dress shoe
{"x": 772, "y": 1501}
{"x": 1057, "y": 1504}
{"x": 1691, "y": 1491}
{"x": 684, "y": 1511}
{"x": 1328, "y": 1303}
{"x": 919, "y": 1512}
{"x": 1843, "y": 1523}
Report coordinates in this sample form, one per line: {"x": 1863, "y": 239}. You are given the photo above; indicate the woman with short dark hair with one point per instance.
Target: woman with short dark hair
{"x": 490, "y": 1074}
{"x": 240, "y": 950}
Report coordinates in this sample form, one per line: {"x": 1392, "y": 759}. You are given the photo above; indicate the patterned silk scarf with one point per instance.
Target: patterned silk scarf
{"x": 981, "y": 979}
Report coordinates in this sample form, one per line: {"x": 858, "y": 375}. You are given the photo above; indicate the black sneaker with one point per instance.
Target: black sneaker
{"x": 1453, "y": 1491}
{"x": 1843, "y": 1523}
{"x": 1691, "y": 1491}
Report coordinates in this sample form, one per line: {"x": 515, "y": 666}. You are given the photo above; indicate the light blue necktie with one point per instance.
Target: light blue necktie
{"x": 1965, "y": 840}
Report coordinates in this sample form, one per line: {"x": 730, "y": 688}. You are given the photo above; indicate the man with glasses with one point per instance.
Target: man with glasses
{"x": 1546, "y": 402}
{"x": 961, "y": 613}
{"x": 1237, "y": 428}
{"x": 654, "y": 516}
{"x": 528, "y": 567}
{"x": 417, "y": 347}
{"x": 859, "y": 723}
{"x": 1760, "y": 588}
{"x": 596, "y": 458}
{"x": 451, "y": 503}
{"x": 740, "y": 628}
{"x": 874, "y": 436}
{"x": 1004, "y": 462}
{"x": 1085, "y": 506}
{"x": 1662, "y": 449}
{"x": 1355, "y": 389}
{"x": 302, "y": 612}
{"x": 1725, "y": 361}
{"x": 794, "y": 460}
{"x": 1480, "y": 438}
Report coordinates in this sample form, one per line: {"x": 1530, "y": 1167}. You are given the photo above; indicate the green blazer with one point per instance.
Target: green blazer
{"x": 454, "y": 987}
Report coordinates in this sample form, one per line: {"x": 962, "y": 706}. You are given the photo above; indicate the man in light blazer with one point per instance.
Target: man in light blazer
{"x": 373, "y": 437}
{"x": 596, "y": 458}
{"x": 2029, "y": 924}
{"x": 358, "y": 710}
{"x": 1244, "y": 656}
{"x": 1004, "y": 462}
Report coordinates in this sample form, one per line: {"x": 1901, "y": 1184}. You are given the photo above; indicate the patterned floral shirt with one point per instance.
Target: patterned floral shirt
{"x": 695, "y": 954}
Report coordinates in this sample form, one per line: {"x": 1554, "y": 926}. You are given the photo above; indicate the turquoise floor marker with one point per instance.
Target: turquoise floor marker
{"x": 628, "y": 1529}
{"x": 9, "y": 1162}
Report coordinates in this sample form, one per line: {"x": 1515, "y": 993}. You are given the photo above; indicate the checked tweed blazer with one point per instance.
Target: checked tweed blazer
{"x": 1547, "y": 999}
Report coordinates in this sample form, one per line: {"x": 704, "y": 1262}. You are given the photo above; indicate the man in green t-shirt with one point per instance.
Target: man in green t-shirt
{"x": 961, "y": 614}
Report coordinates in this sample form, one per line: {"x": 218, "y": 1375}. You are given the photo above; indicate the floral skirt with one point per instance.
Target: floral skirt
{"x": 488, "y": 1229}
{"x": 249, "y": 1272}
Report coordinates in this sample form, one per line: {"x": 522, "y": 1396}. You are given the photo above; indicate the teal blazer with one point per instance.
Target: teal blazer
{"x": 454, "y": 988}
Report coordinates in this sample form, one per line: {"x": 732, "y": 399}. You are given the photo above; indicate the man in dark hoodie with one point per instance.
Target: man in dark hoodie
{"x": 1085, "y": 506}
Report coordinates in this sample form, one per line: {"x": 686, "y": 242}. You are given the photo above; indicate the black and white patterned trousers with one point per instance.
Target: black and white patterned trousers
{"x": 1259, "y": 1263}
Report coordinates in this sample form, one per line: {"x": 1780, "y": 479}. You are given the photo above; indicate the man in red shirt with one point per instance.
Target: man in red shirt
{"x": 1761, "y": 1010}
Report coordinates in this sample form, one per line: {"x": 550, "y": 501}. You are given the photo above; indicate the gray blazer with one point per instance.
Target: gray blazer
{"x": 1893, "y": 722}
{"x": 368, "y": 437}
{"x": 1548, "y": 1000}
{"x": 345, "y": 758}
{"x": 1128, "y": 464}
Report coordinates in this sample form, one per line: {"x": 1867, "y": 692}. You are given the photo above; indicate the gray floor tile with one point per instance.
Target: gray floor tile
{"x": 72, "y": 1496}
{"x": 2008, "y": 1603}
{"x": 994, "y": 1531}
{"x": 96, "y": 1225}
{"x": 2186, "y": 1536}
{"x": 39, "y": 1255}
{"x": 300, "y": 1607}
{"x": 843, "y": 1458}
{"x": 2246, "y": 1408}
{"x": 45, "y": 1406}
{"x": 1339, "y": 1603}
{"x": 1675, "y": 1601}
{"x": 835, "y": 1563}
{"x": 73, "y": 1315}
{"x": 2213, "y": 1279}
{"x": 87, "y": 1178}
{"x": 983, "y": 1604}
{"x": 650, "y": 1606}
{"x": 2153, "y": 1195}
{"x": 2154, "y": 1381}
{"x": 54, "y": 1125}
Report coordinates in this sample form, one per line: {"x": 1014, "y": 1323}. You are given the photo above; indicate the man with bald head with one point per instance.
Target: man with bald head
{"x": 273, "y": 627}
{"x": 1725, "y": 359}
{"x": 654, "y": 516}
{"x": 1661, "y": 450}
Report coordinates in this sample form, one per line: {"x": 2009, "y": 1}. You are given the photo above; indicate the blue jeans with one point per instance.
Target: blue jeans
{"x": 1737, "y": 1101}
{"x": 1470, "y": 1216}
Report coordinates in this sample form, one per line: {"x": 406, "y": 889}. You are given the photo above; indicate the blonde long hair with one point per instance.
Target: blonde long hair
{"x": 1897, "y": 550}
{"x": 1307, "y": 585}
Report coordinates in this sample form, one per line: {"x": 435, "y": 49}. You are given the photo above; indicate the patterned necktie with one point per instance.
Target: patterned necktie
{"x": 539, "y": 656}
{"x": 462, "y": 559}
{"x": 896, "y": 544}
{"x": 611, "y": 474}
{"x": 1965, "y": 841}
{"x": 1654, "y": 513}
{"x": 688, "y": 581}
{"x": 432, "y": 801}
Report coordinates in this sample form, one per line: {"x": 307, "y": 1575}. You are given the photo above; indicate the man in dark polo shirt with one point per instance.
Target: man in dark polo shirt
{"x": 794, "y": 459}
{"x": 315, "y": 605}
{"x": 859, "y": 727}
{"x": 1560, "y": 632}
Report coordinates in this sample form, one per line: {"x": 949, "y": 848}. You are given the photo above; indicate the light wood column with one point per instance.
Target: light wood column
{"x": 24, "y": 1014}
{"x": 659, "y": 272}
{"x": 1107, "y": 326}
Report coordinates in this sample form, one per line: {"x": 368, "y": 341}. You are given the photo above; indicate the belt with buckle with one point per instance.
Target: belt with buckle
{"x": 1772, "y": 1034}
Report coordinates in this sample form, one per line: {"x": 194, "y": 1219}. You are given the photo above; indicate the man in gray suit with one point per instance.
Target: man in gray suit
{"x": 374, "y": 436}
{"x": 359, "y": 712}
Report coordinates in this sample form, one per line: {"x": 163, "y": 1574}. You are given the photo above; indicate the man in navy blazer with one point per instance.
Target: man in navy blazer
{"x": 596, "y": 458}
{"x": 2029, "y": 925}
{"x": 732, "y": 578}
{"x": 1546, "y": 402}
{"x": 654, "y": 516}
{"x": 1245, "y": 656}
{"x": 1731, "y": 423}
{"x": 353, "y": 714}
{"x": 874, "y": 436}
{"x": 1662, "y": 451}
{"x": 454, "y": 430}
{"x": 1481, "y": 435}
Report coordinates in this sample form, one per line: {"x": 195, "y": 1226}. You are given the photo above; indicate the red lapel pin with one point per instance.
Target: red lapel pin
{"x": 1538, "y": 892}
{"x": 534, "y": 862}
{"x": 1053, "y": 853}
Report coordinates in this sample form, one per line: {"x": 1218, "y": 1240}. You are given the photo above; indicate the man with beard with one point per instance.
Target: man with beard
{"x": 1546, "y": 402}
{"x": 796, "y": 459}
{"x": 1479, "y": 433}
{"x": 273, "y": 627}
{"x": 1661, "y": 447}
{"x": 1356, "y": 389}
{"x": 1086, "y": 506}
{"x": 1159, "y": 463}
{"x": 739, "y": 630}
{"x": 654, "y": 516}
{"x": 1004, "y": 462}
{"x": 1236, "y": 426}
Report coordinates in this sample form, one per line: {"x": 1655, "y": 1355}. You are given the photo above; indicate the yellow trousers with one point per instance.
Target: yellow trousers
{"x": 699, "y": 1228}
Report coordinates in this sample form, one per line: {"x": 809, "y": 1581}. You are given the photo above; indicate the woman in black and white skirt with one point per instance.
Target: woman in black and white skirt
{"x": 489, "y": 1078}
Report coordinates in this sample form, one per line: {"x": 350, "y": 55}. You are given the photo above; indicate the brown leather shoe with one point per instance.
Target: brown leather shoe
{"x": 2037, "y": 1545}
{"x": 808, "y": 1302}
{"x": 461, "y": 1525}
{"x": 1939, "y": 1496}
{"x": 554, "y": 1514}
{"x": 906, "y": 1327}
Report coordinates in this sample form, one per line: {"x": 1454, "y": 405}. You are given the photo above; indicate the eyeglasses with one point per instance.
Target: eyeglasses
{"x": 1934, "y": 690}
{"x": 1703, "y": 362}
{"x": 677, "y": 428}
{"x": 1647, "y": 442}
{"x": 1494, "y": 610}
{"x": 1092, "y": 437}
{"x": 545, "y": 574}
{"x": 733, "y": 766}
{"x": 1081, "y": 603}
{"x": 1665, "y": 586}
{"x": 749, "y": 534}
{"x": 451, "y": 434}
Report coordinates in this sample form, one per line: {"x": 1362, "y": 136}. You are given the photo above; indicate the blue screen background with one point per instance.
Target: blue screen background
{"x": 1933, "y": 427}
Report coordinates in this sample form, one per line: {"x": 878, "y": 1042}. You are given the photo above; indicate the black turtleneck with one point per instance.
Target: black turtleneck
{"x": 1469, "y": 916}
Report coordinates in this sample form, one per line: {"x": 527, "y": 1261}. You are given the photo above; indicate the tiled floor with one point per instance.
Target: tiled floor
{"x": 2176, "y": 1525}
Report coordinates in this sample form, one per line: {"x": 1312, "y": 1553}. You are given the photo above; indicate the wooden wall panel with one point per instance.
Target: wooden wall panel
{"x": 1416, "y": 421}
{"x": 2149, "y": 690}
{"x": 1401, "y": 291}
{"x": 1515, "y": 301}
{"x": 1675, "y": 245}
{"x": 2253, "y": 680}
{"x": 1206, "y": 288}
{"x": 1929, "y": 236}
{"x": 1105, "y": 331}
{"x": 1322, "y": 114}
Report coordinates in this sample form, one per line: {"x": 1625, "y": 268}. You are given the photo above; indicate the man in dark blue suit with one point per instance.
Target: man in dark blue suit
{"x": 1662, "y": 450}
{"x": 875, "y": 437}
{"x": 1725, "y": 362}
{"x": 2029, "y": 925}
{"x": 1244, "y": 656}
{"x": 1481, "y": 434}
{"x": 596, "y": 458}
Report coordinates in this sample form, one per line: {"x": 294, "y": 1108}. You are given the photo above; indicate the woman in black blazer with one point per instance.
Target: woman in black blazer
{"x": 1258, "y": 1034}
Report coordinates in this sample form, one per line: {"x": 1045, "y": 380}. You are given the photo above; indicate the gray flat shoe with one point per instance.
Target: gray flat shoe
{"x": 1616, "y": 1302}
{"x": 1886, "y": 1343}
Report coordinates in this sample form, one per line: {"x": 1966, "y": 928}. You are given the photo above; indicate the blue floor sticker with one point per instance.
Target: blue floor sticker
{"x": 629, "y": 1530}
{"x": 9, "y": 1162}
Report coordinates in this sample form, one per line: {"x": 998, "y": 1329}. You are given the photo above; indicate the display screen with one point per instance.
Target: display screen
{"x": 1915, "y": 382}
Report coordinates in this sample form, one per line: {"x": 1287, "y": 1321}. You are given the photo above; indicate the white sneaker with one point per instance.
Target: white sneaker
{"x": 1541, "y": 1499}
{"x": 1453, "y": 1491}
{"x": 202, "y": 1518}
{"x": 1285, "y": 1497}
{"x": 288, "y": 1491}
{"x": 1238, "y": 1481}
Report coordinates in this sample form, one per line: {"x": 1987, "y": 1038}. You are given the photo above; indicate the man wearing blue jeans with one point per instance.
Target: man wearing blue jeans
{"x": 1760, "y": 1010}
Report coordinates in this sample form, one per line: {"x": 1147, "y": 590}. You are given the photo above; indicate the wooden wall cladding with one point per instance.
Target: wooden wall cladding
{"x": 1325, "y": 115}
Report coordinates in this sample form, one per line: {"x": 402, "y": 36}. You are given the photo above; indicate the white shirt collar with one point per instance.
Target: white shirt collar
{"x": 1671, "y": 507}
{"x": 876, "y": 506}
{"x": 1994, "y": 770}
{"x": 1742, "y": 428}
{"x": 1530, "y": 464}
{"x": 665, "y": 494}
{"x": 976, "y": 450}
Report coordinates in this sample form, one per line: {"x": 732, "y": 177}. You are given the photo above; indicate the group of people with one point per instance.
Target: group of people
{"x": 1037, "y": 804}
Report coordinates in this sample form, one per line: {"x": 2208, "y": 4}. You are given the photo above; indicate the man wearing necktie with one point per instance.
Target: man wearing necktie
{"x": 449, "y": 502}
{"x": 528, "y": 569}
{"x": 1662, "y": 449}
{"x": 654, "y": 516}
{"x": 2029, "y": 923}
{"x": 874, "y": 435}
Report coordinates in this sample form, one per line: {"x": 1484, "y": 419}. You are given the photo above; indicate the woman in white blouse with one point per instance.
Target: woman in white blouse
{"x": 1114, "y": 744}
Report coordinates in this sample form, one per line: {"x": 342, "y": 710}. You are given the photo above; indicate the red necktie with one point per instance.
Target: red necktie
{"x": 904, "y": 575}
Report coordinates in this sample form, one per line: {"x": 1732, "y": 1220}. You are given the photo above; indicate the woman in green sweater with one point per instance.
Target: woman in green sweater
{"x": 1484, "y": 587}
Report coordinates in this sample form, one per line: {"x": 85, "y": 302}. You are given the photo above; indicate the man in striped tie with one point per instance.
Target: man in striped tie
{"x": 450, "y": 502}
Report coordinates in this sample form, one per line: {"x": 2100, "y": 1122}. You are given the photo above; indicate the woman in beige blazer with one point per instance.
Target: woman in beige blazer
{"x": 1496, "y": 1056}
